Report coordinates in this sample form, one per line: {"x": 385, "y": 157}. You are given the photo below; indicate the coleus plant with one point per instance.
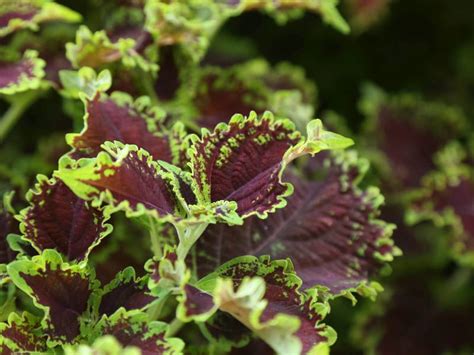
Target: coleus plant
{"x": 257, "y": 222}
{"x": 228, "y": 188}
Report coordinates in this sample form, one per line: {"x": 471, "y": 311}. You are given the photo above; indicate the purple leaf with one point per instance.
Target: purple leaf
{"x": 50, "y": 46}
{"x": 61, "y": 290}
{"x": 66, "y": 294}
{"x": 241, "y": 161}
{"x": 7, "y": 225}
{"x": 11, "y": 10}
{"x": 20, "y": 14}
{"x": 134, "y": 328}
{"x": 125, "y": 177}
{"x": 412, "y": 159}
{"x": 253, "y": 85}
{"x": 276, "y": 310}
{"x": 216, "y": 103}
{"x": 118, "y": 118}
{"x": 328, "y": 229}
{"x": 125, "y": 291}
{"x": 58, "y": 219}
{"x": 460, "y": 198}
{"x": 195, "y": 302}
{"x": 21, "y": 334}
{"x": 21, "y": 74}
{"x": 168, "y": 81}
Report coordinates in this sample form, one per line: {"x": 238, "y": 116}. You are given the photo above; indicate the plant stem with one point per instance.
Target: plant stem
{"x": 155, "y": 311}
{"x": 174, "y": 327}
{"x": 148, "y": 84}
{"x": 188, "y": 235}
{"x": 154, "y": 238}
{"x": 16, "y": 110}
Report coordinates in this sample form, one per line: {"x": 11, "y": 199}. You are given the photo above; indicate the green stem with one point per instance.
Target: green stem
{"x": 155, "y": 311}
{"x": 147, "y": 81}
{"x": 174, "y": 327}
{"x": 16, "y": 110}
{"x": 194, "y": 270}
{"x": 188, "y": 235}
{"x": 155, "y": 239}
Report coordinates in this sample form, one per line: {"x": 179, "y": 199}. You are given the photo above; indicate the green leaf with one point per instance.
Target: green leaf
{"x": 317, "y": 140}
{"x": 85, "y": 82}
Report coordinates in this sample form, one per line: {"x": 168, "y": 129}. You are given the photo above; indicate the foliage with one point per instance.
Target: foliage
{"x": 174, "y": 192}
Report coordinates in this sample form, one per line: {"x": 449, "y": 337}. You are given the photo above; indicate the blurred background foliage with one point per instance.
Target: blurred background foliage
{"x": 424, "y": 46}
